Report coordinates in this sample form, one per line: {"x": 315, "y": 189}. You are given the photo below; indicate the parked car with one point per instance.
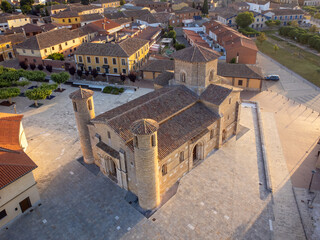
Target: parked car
{"x": 272, "y": 77}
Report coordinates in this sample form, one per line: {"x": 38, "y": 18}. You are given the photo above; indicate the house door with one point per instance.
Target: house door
{"x": 113, "y": 171}
{"x": 1, "y": 58}
{"x": 25, "y": 204}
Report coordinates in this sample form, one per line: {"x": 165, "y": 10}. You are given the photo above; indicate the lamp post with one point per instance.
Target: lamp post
{"x": 313, "y": 172}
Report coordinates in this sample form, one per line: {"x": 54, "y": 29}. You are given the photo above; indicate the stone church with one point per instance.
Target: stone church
{"x": 149, "y": 143}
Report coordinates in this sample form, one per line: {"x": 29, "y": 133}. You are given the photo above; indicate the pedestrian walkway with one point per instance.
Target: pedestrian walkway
{"x": 286, "y": 223}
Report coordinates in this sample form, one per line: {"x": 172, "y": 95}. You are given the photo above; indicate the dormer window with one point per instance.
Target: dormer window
{"x": 183, "y": 77}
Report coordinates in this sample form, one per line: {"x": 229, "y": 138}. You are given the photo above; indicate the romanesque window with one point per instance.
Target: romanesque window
{"x": 211, "y": 75}
{"x": 109, "y": 135}
{"x": 89, "y": 104}
{"x": 240, "y": 82}
{"x": 98, "y": 136}
{"x": 75, "y": 107}
{"x": 88, "y": 59}
{"x": 181, "y": 158}
{"x": 135, "y": 142}
{"x": 229, "y": 100}
{"x": 3, "y": 213}
{"x": 153, "y": 140}
{"x": 183, "y": 77}
{"x": 211, "y": 133}
{"x": 164, "y": 169}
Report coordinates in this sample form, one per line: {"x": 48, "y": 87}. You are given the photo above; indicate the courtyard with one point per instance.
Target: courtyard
{"x": 223, "y": 197}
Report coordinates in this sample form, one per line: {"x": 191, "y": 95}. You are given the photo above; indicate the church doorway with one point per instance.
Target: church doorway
{"x": 196, "y": 154}
{"x": 112, "y": 171}
{"x": 224, "y": 135}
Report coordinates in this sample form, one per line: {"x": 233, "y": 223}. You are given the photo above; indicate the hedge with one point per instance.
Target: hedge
{"x": 113, "y": 90}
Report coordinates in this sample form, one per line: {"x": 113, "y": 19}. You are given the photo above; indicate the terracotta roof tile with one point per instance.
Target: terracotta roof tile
{"x": 196, "y": 53}
{"x": 81, "y": 93}
{"x": 144, "y": 127}
{"x": 239, "y": 70}
{"x": 215, "y": 94}
{"x": 158, "y": 65}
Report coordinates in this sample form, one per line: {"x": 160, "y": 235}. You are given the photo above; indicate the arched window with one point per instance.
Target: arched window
{"x": 135, "y": 142}
{"x": 153, "y": 140}
{"x": 183, "y": 77}
{"x": 211, "y": 75}
{"x": 89, "y": 104}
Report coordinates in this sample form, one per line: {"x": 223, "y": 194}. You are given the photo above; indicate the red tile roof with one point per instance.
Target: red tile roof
{"x": 195, "y": 38}
{"x": 14, "y": 162}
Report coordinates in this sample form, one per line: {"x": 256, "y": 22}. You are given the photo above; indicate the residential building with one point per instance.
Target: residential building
{"x": 245, "y": 76}
{"x": 18, "y": 190}
{"x": 89, "y": 18}
{"x": 242, "y": 50}
{"x": 311, "y": 3}
{"x": 8, "y": 21}
{"x": 6, "y": 45}
{"x": 194, "y": 38}
{"x": 40, "y": 46}
{"x": 157, "y": 6}
{"x": 28, "y": 29}
{"x": 107, "y": 3}
{"x": 153, "y": 68}
{"x": 285, "y": 15}
{"x": 152, "y": 34}
{"x": 185, "y": 15}
{"x": 113, "y": 58}
{"x": 67, "y": 18}
{"x": 146, "y": 145}
{"x": 55, "y": 9}
{"x": 239, "y": 6}
{"x": 259, "y": 6}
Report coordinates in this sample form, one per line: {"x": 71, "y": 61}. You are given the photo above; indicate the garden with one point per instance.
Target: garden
{"x": 14, "y": 83}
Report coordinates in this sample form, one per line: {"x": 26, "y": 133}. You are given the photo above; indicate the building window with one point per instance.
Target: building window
{"x": 115, "y": 70}
{"x": 109, "y": 135}
{"x": 182, "y": 77}
{"x": 8, "y": 46}
{"x": 153, "y": 140}
{"x": 80, "y": 59}
{"x": 45, "y": 51}
{"x": 89, "y": 68}
{"x": 52, "y": 48}
{"x": 34, "y": 60}
{"x": 114, "y": 61}
{"x": 211, "y": 133}
{"x": 211, "y": 75}
{"x": 98, "y": 69}
{"x": 10, "y": 55}
{"x": 3, "y": 214}
{"x": 88, "y": 59}
{"x": 75, "y": 107}
{"x": 76, "y": 19}
{"x": 73, "y": 41}
{"x": 124, "y": 71}
{"x": 24, "y": 51}
{"x": 229, "y": 100}
{"x": 32, "y": 52}
{"x": 98, "y": 136}
{"x": 69, "y": 20}
{"x": 164, "y": 169}
{"x": 89, "y": 104}
{"x": 240, "y": 82}
{"x": 181, "y": 158}
{"x": 135, "y": 142}
{"x": 63, "y": 20}
{"x": 123, "y": 62}
{"x": 105, "y": 60}
{"x": 66, "y": 43}
{"x": 97, "y": 60}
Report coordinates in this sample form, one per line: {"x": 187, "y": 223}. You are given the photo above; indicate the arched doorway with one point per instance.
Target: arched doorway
{"x": 112, "y": 171}
{"x": 224, "y": 135}
{"x": 197, "y": 153}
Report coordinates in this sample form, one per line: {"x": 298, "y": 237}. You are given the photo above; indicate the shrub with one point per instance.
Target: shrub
{"x": 233, "y": 60}
{"x": 113, "y": 90}
{"x": 40, "y": 67}
{"x": 248, "y": 31}
{"x": 8, "y": 93}
{"x": 179, "y": 46}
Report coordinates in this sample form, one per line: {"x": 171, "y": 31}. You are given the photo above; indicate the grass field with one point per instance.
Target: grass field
{"x": 301, "y": 62}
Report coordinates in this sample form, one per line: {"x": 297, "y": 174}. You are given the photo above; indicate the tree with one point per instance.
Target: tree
{"x": 275, "y": 48}
{"x": 60, "y": 78}
{"x": 122, "y": 2}
{"x": 313, "y": 29}
{"x": 179, "y": 46}
{"x": 6, "y": 7}
{"x": 94, "y": 73}
{"x": 47, "y": 12}
{"x": 205, "y": 8}
{"x": 56, "y": 56}
{"x": 38, "y": 94}
{"x": 122, "y": 77}
{"x": 40, "y": 67}
{"x": 294, "y": 24}
{"x": 72, "y": 71}
{"x": 26, "y": 9}
{"x": 49, "y": 86}
{"x": 172, "y": 34}
{"x": 79, "y": 73}
{"x": 49, "y": 68}
{"x": 8, "y": 93}
{"x": 23, "y": 65}
{"x": 85, "y": 2}
{"x": 87, "y": 73}
{"x": 261, "y": 38}
{"x": 244, "y": 19}
{"x": 32, "y": 66}
{"x": 132, "y": 76}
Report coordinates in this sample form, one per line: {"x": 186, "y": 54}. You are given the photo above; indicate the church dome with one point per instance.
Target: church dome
{"x": 144, "y": 127}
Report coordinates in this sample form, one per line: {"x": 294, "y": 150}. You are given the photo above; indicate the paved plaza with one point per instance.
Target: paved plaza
{"x": 223, "y": 197}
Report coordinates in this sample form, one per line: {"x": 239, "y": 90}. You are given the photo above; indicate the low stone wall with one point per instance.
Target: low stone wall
{"x": 263, "y": 146}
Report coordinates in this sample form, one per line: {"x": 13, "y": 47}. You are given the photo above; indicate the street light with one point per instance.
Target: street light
{"x": 313, "y": 172}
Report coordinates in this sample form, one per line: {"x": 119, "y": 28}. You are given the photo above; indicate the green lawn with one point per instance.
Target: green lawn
{"x": 301, "y": 62}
